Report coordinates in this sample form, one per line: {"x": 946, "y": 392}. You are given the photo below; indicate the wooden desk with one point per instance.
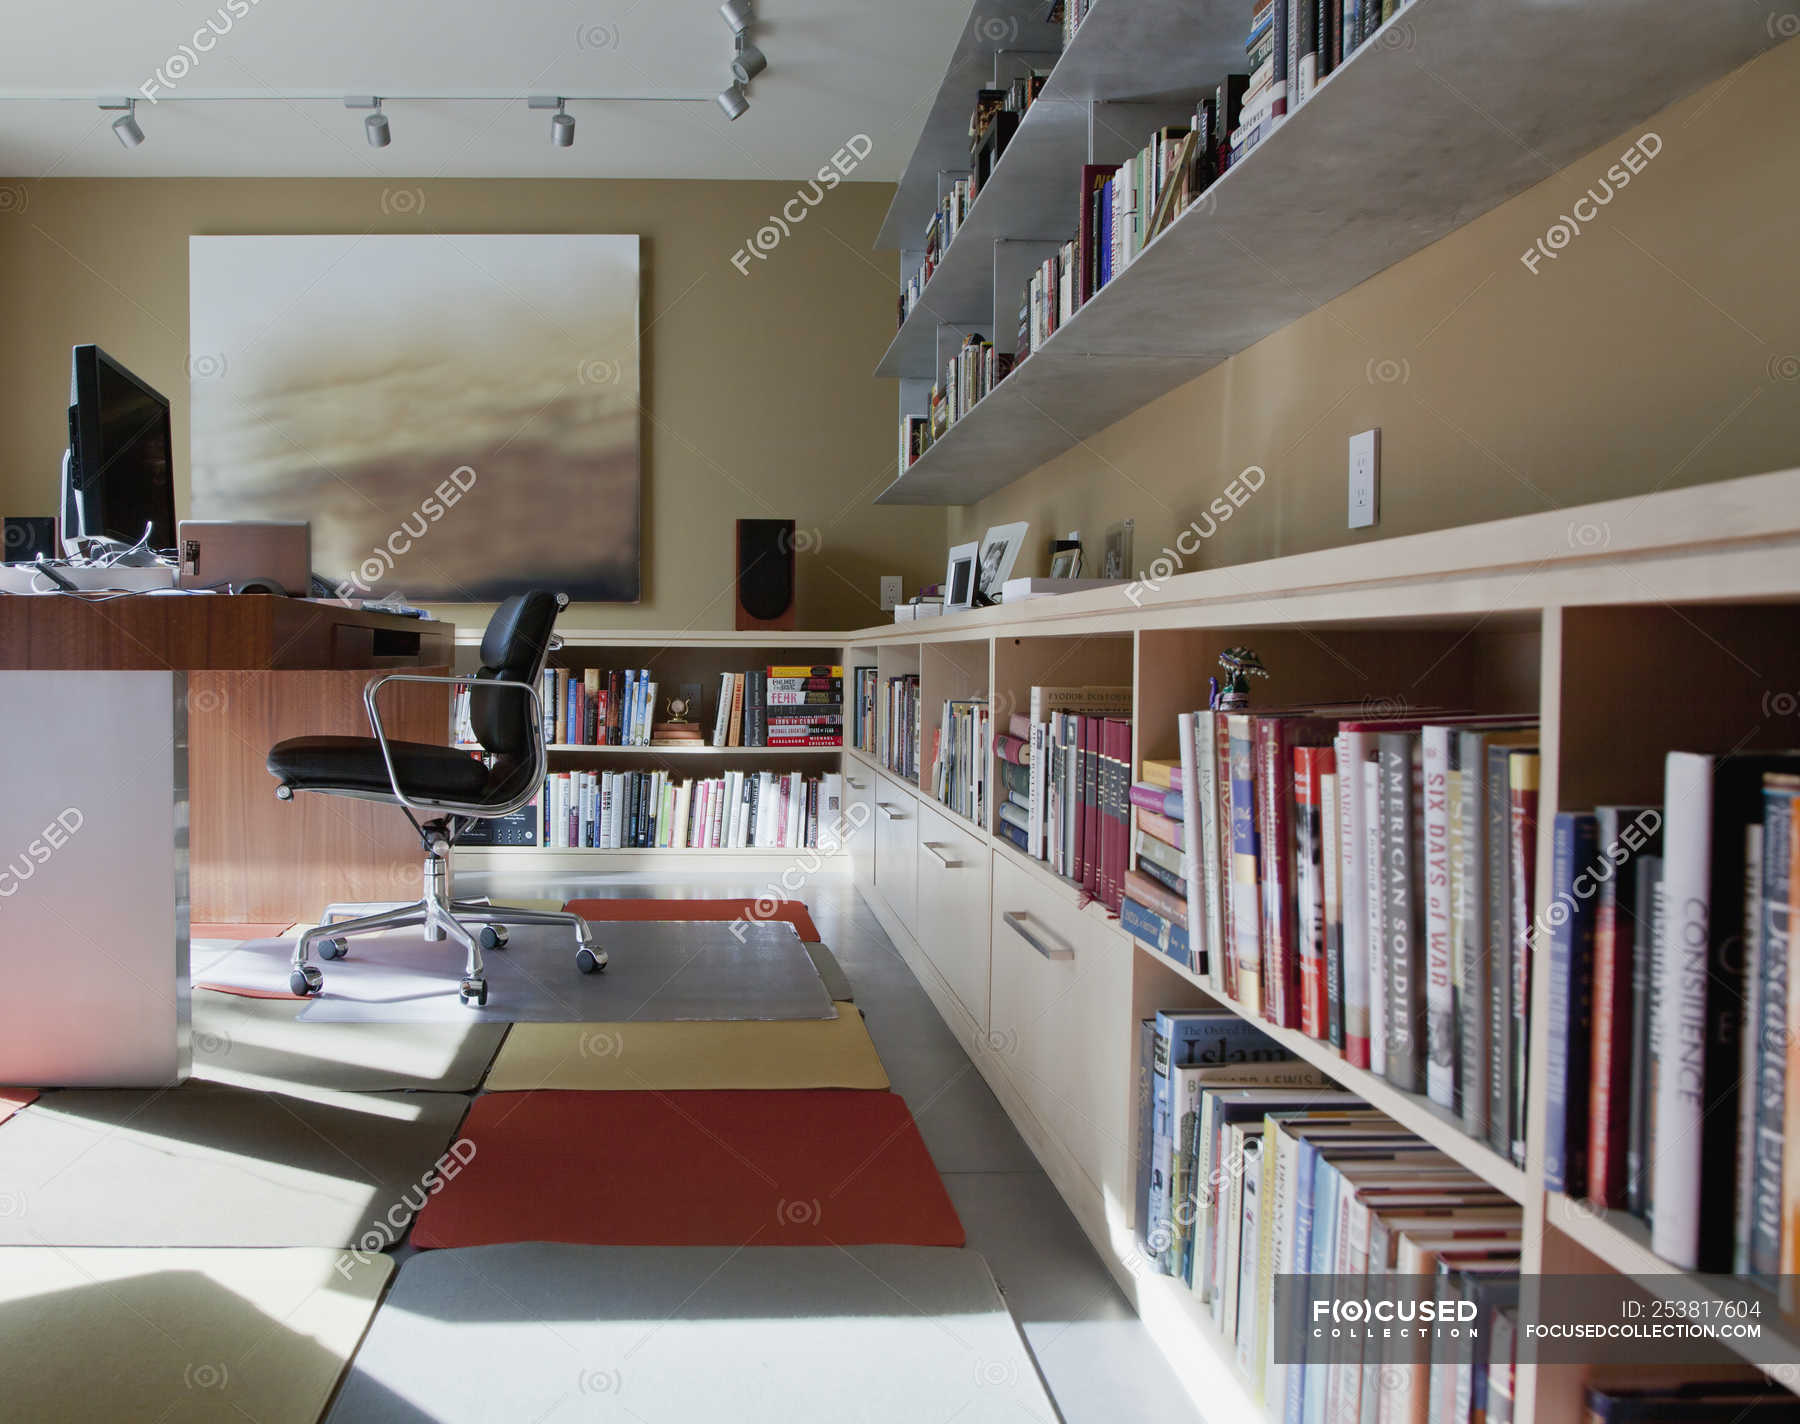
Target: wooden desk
{"x": 136, "y": 731}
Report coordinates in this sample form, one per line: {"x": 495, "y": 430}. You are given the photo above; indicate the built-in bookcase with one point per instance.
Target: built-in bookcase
{"x": 1683, "y": 633}
{"x": 672, "y": 660}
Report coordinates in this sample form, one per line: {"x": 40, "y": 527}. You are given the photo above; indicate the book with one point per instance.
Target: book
{"x": 1312, "y": 767}
{"x": 1621, "y": 831}
{"x": 1708, "y": 805}
{"x": 1522, "y": 779}
{"x": 1768, "y": 1030}
{"x": 1245, "y": 888}
{"x": 1441, "y": 1046}
{"x": 1571, "y": 915}
{"x": 1402, "y": 911}
{"x": 1646, "y": 891}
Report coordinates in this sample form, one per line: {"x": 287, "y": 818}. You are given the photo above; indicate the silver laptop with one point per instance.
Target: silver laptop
{"x": 245, "y": 555}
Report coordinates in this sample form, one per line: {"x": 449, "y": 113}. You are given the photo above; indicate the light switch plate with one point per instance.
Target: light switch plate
{"x": 890, "y": 592}
{"x": 1365, "y": 479}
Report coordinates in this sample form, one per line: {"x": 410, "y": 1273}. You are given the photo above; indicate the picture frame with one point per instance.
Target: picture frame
{"x": 1066, "y": 563}
{"x": 960, "y": 577}
{"x": 999, "y": 552}
{"x": 1118, "y": 550}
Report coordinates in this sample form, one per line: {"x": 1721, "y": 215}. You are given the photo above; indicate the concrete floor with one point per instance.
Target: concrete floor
{"x": 1095, "y": 1356}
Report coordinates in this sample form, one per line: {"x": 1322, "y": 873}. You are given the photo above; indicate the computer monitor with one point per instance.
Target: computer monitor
{"x": 119, "y": 473}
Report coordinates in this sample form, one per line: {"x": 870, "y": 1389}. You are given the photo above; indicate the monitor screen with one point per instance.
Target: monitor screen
{"x": 122, "y": 469}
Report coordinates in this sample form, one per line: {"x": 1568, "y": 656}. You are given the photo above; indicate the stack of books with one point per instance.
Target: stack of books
{"x": 1673, "y": 1075}
{"x": 959, "y": 758}
{"x": 1252, "y": 1166}
{"x": 969, "y": 376}
{"x": 652, "y": 810}
{"x": 1367, "y": 881}
{"x": 796, "y": 705}
{"x": 1075, "y": 746}
{"x": 897, "y": 730}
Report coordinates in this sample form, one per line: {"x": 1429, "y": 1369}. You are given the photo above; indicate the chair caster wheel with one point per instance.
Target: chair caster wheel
{"x": 334, "y": 949}
{"x": 588, "y": 962}
{"x": 306, "y": 981}
{"x": 473, "y": 991}
{"x": 493, "y": 936}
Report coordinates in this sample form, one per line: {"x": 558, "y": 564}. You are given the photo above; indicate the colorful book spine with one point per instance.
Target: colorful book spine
{"x": 1573, "y": 871}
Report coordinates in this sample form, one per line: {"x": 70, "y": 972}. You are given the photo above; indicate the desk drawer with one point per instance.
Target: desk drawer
{"x": 1061, "y": 1017}
{"x": 953, "y": 906}
{"x": 897, "y": 851}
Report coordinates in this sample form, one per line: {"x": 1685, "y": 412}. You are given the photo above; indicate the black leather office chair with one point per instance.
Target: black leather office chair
{"x": 450, "y": 788}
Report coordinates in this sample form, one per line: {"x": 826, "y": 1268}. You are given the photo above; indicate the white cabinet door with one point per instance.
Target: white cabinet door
{"x": 1061, "y": 1017}
{"x": 953, "y": 906}
{"x": 897, "y": 851}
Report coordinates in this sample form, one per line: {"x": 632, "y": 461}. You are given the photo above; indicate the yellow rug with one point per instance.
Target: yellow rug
{"x": 92, "y": 1333}
{"x": 671, "y": 1057}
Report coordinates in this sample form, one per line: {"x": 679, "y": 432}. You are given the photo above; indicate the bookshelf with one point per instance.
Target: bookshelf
{"x": 1605, "y": 644}
{"x": 1398, "y": 148}
{"x": 673, "y": 659}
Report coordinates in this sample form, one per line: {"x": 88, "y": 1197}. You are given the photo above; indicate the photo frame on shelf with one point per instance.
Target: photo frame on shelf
{"x": 1118, "y": 551}
{"x": 1066, "y": 564}
{"x": 999, "y": 552}
{"x": 960, "y": 577}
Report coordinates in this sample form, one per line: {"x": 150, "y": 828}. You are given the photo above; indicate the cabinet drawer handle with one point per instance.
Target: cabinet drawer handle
{"x": 887, "y": 810}
{"x": 1016, "y": 918}
{"x": 939, "y": 855}
{"x": 856, "y": 785}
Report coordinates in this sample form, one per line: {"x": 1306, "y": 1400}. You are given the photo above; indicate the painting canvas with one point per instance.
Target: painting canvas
{"x": 457, "y": 415}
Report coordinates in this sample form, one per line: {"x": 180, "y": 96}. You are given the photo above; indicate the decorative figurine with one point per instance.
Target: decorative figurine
{"x": 1241, "y": 664}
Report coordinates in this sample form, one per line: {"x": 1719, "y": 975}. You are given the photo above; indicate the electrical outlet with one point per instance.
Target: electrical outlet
{"x": 1365, "y": 479}
{"x": 890, "y": 592}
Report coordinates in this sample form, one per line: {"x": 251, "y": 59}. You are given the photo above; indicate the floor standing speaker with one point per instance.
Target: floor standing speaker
{"x": 765, "y": 573}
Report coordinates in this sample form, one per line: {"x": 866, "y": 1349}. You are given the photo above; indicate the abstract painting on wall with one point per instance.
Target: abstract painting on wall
{"x": 456, "y": 415}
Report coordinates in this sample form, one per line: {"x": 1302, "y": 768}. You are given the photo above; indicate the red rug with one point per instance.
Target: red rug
{"x": 12, "y": 1099}
{"x": 754, "y": 910}
{"x": 814, "y": 1167}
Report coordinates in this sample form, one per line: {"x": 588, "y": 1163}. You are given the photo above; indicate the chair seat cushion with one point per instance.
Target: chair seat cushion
{"x": 355, "y": 764}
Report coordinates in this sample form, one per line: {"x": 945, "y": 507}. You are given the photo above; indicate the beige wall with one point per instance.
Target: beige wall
{"x": 757, "y": 393}
{"x": 1661, "y": 348}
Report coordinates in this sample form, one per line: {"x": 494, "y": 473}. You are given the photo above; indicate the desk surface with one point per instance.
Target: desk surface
{"x": 217, "y": 632}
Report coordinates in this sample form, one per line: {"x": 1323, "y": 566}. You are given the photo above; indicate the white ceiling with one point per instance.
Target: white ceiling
{"x": 837, "y": 68}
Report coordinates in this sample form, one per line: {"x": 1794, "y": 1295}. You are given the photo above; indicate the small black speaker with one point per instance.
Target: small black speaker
{"x": 29, "y": 536}
{"x": 765, "y": 573}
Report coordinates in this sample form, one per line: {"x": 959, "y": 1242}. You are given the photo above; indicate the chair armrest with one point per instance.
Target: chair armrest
{"x": 372, "y": 690}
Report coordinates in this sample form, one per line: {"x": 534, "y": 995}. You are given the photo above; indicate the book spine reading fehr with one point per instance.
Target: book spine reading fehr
{"x": 1780, "y": 796}
{"x": 1401, "y": 914}
{"x": 1571, "y": 921}
{"x": 1440, "y": 991}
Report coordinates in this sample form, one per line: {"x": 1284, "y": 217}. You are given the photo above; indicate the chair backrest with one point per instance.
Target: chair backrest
{"x": 513, "y": 649}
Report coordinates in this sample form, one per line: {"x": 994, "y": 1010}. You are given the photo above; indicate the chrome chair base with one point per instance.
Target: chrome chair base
{"x": 474, "y": 924}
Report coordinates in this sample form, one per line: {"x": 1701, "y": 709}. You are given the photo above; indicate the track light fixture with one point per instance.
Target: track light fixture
{"x": 375, "y": 127}
{"x": 738, "y": 14}
{"x": 130, "y": 133}
{"x": 747, "y": 61}
{"x": 562, "y": 123}
{"x": 735, "y": 102}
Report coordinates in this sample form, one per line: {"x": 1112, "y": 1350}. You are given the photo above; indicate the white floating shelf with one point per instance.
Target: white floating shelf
{"x": 1453, "y": 107}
